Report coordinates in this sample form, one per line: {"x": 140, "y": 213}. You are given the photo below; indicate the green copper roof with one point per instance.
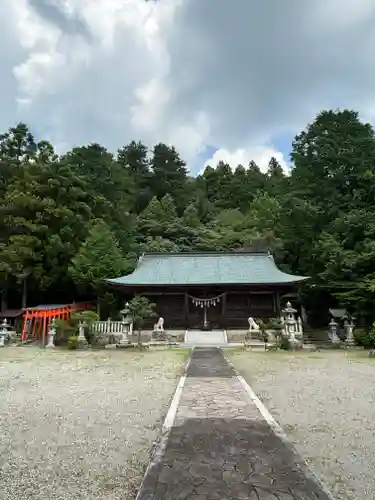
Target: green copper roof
{"x": 219, "y": 268}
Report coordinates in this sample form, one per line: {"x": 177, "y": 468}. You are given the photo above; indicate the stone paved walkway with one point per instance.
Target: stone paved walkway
{"x": 221, "y": 448}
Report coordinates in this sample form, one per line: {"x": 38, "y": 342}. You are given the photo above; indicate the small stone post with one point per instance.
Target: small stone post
{"x": 299, "y": 326}
{"x": 349, "y": 327}
{"x": 51, "y": 336}
{"x": 3, "y": 332}
{"x": 283, "y": 329}
{"x": 82, "y": 341}
{"x": 333, "y": 327}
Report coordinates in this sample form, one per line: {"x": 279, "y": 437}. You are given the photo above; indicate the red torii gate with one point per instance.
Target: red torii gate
{"x": 37, "y": 320}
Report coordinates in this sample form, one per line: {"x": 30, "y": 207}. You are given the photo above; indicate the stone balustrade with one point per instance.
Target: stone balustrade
{"x": 107, "y": 327}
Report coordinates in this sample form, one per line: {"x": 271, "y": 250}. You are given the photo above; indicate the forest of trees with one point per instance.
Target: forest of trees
{"x": 67, "y": 221}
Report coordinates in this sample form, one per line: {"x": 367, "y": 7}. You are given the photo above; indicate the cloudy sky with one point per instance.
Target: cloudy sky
{"x": 219, "y": 79}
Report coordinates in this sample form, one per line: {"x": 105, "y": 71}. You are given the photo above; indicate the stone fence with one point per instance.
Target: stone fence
{"x": 107, "y": 327}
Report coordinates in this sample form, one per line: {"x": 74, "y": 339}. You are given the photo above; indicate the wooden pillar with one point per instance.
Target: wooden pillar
{"x": 224, "y": 310}
{"x": 34, "y": 324}
{"x": 31, "y": 328}
{"x": 44, "y": 326}
{"x": 278, "y": 311}
{"x": 186, "y": 309}
{"x": 24, "y": 329}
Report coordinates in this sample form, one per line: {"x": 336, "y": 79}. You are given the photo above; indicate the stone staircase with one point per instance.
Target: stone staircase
{"x": 317, "y": 338}
{"x": 206, "y": 338}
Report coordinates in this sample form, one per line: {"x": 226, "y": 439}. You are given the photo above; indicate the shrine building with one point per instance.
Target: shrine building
{"x": 213, "y": 290}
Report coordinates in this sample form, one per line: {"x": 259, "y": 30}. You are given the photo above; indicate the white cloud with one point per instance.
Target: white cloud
{"x": 260, "y": 154}
{"x": 186, "y": 72}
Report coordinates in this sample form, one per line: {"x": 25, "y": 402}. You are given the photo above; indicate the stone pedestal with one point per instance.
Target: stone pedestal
{"x": 124, "y": 339}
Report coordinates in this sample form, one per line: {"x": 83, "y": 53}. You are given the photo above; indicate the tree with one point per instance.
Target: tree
{"x": 17, "y": 147}
{"x": 98, "y": 258}
{"x": 299, "y": 227}
{"x": 276, "y": 180}
{"x": 344, "y": 258}
{"x": 108, "y": 184}
{"x": 169, "y": 175}
{"x": 159, "y": 244}
{"x": 275, "y": 170}
{"x": 150, "y": 221}
{"x": 159, "y": 218}
{"x": 334, "y": 159}
{"x": 217, "y": 183}
{"x": 43, "y": 218}
{"x": 135, "y": 162}
{"x": 141, "y": 309}
{"x": 190, "y": 216}
{"x": 133, "y": 158}
{"x": 240, "y": 192}
{"x": 256, "y": 179}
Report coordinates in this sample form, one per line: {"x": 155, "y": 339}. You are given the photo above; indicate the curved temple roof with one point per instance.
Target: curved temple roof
{"x": 216, "y": 268}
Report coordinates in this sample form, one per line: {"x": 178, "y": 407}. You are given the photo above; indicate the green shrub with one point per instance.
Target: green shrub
{"x": 365, "y": 338}
{"x": 73, "y": 342}
{"x": 64, "y": 330}
{"x": 88, "y": 318}
{"x": 275, "y": 324}
{"x": 284, "y": 343}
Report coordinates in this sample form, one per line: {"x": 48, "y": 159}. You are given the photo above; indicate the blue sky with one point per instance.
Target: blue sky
{"x": 243, "y": 80}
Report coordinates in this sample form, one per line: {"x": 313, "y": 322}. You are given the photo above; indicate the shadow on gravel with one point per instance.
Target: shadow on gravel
{"x": 217, "y": 459}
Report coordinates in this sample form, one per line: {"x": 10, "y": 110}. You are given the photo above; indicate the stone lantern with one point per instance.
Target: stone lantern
{"x": 292, "y": 327}
{"x": 333, "y": 327}
{"x": 51, "y": 335}
{"x": 126, "y": 326}
{"x": 3, "y": 332}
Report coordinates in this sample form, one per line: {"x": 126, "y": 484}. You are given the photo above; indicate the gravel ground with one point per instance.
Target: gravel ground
{"x": 325, "y": 402}
{"x": 80, "y": 425}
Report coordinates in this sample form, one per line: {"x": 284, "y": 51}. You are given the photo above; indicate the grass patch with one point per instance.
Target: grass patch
{"x": 359, "y": 355}
{"x": 182, "y": 351}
